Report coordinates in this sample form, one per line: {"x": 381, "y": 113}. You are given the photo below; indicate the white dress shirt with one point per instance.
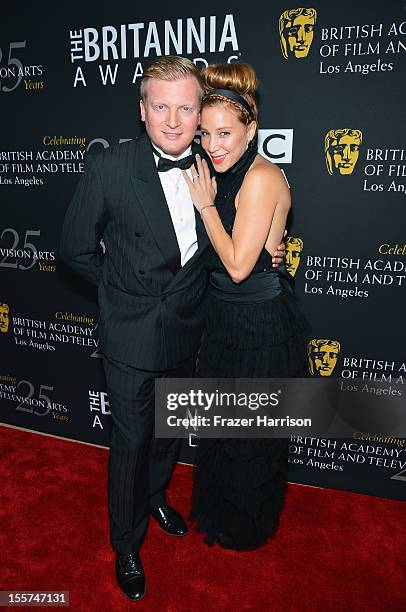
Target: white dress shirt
{"x": 180, "y": 206}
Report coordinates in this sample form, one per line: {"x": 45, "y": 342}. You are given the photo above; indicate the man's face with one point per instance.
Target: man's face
{"x": 4, "y": 321}
{"x": 293, "y": 250}
{"x": 324, "y": 359}
{"x": 299, "y": 35}
{"x": 171, "y": 112}
{"x": 345, "y": 154}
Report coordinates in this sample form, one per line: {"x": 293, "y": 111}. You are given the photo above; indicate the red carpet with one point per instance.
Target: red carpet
{"x": 334, "y": 551}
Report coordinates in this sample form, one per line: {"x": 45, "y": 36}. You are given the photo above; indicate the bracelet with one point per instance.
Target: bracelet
{"x": 207, "y": 206}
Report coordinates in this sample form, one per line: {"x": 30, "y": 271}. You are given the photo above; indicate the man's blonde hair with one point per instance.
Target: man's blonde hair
{"x": 170, "y": 68}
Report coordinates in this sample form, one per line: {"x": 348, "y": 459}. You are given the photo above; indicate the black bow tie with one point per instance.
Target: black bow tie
{"x": 165, "y": 164}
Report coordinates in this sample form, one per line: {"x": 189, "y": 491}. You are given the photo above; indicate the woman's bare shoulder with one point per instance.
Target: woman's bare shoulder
{"x": 265, "y": 172}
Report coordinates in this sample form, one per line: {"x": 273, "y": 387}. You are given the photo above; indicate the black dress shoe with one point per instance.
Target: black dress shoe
{"x": 170, "y": 520}
{"x": 130, "y": 576}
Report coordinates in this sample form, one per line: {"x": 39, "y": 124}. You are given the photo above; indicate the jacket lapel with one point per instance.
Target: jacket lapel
{"x": 152, "y": 199}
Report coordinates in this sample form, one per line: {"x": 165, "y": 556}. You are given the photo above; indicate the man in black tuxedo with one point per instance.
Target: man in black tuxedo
{"x": 151, "y": 282}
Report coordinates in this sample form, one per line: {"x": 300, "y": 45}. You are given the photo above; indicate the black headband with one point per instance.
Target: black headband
{"x": 231, "y": 95}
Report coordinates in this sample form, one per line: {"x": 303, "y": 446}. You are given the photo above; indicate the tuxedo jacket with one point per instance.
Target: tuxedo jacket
{"x": 150, "y": 308}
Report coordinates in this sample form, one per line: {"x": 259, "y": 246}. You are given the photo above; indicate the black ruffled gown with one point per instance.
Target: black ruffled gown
{"x": 252, "y": 329}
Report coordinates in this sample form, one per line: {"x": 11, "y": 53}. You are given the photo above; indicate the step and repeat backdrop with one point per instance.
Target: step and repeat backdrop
{"x": 332, "y": 116}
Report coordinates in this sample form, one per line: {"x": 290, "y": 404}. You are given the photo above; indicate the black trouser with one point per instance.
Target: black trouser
{"x": 140, "y": 466}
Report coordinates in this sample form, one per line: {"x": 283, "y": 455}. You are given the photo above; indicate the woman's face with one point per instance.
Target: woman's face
{"x": 223, "y": 136}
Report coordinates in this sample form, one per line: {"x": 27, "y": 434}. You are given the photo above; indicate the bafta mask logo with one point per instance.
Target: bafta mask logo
{"x": 341, "y": 148}
{"x": 4, "y": 320}
{"x": 323, "y": 355}
{"x": 294, "y": 247}
{"x": 296, "y": 27}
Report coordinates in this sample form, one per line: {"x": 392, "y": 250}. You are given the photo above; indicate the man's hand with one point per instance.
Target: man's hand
{"x": 278, "y": 256}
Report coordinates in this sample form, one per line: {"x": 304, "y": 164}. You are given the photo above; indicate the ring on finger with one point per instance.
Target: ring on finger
{"x": 195, "y": 177}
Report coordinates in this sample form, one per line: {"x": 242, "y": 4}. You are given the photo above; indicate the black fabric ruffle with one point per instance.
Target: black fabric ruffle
{"x": 239, "y": 484}
{"x": 254, "y": 340}
{"x": 239, "y": 490}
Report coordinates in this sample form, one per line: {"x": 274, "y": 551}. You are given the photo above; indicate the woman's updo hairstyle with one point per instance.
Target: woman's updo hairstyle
{"x": 239, "y": 77}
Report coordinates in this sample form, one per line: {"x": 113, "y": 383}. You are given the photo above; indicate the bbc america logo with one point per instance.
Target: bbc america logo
{"x": 276, "y": 145}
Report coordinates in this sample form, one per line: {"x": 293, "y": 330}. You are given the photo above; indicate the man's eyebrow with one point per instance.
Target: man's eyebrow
{"x": 158, "y": 101}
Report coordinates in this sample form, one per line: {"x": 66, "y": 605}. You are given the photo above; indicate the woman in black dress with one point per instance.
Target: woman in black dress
{"x": 253, "y": 325}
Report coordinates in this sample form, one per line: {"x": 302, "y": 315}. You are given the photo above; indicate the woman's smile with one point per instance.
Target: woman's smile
{"x": 218, "y": 159}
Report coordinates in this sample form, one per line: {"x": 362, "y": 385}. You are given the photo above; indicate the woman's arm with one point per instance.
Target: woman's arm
{"x": 263, "y": 200}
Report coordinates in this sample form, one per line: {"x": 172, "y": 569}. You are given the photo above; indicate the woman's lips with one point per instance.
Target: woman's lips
{"x": 219, "y": 159}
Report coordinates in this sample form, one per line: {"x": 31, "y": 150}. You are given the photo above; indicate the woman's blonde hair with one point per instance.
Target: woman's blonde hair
{"x": 239, "y": 77}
